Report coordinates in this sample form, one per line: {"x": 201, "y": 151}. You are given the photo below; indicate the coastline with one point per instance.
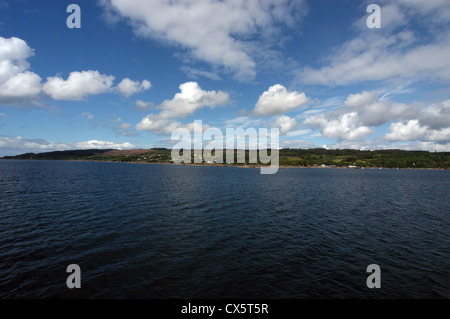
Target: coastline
{"x": 237, "y": 165}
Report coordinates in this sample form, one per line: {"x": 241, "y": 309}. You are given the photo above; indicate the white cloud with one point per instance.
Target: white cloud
{"x": 371, "y": 110}
{"x": 392, "y": 16}
{"x": 427, "y": 6}
{"x": 432, "y": 124}
{"x": 297, "y": 133}
{"x": 191, "y": 98}
{"x": 15, "y": 49}
{"x": 242, "y": 121}
{"x": 410, "y": 131}
{"x": 381, "y": 112}
{"x": 121, "y": 127}
{"x": 393, "y": 53}
{"x": 196, "y": 73}
{"x": 428, "y": 146}
{"x": 124, "y": 126}
{"x": 96, "y": 144}
{"x": 213, "y": 31}
{"x": 158, "y": 124}
{"x": 362, "y": 112}
{"x": 375, "y": 63}
{"x": 18, "y": 145}
{"x": 128, "y": 87}
{"x": 297, "y": 144}
{"x": 346, "y": 127}
{"x": 364, "y": 98}
{"x": 142, "y": 105}
{"x": 78, "y": 85}
{"x": 277, "y": 99}
{"x": 22, "y": 86}
{"x": 285, "y": 124}
{"x": 376, "y": 144}
{"x": 195, "y": 126}
{"x": 380, "y": 144}
{"x": 439, "y": 136}
{"x": 435, "y": 11}
{"x": 411, "y": 128}
{"x": 17, "y": 84}
{"x": 310, "y": 112}
{"x": 437, "y": 115}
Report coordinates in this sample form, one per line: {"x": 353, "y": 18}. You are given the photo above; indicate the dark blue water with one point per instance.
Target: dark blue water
{"x": 163, "y": 231}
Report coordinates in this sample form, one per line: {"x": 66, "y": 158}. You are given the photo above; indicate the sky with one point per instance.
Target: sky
{"x": 136, "y": 70}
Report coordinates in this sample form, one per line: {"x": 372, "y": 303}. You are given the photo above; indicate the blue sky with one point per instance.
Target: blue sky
{"x": 136, "y": 70}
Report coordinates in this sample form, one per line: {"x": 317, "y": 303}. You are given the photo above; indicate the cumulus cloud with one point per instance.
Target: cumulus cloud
{"x": 190, "y": 99}
{"x": 437, "y": 115}
{"x": 364, "y": 98}
{"x": 438, "y": 136}
{"x": 17, "y": 84}
{"x": 160, "y": 124}
{"x": 14, "y": 53}
{"x": 371, "y": 110}
{"x": 410, "y": 131}
{"x": 364, "y": 112}
{"x": 96, "y": 144}
{"x": 22, "y": 86}
{"x": 78, "y": 85}
{"x": 346, "y": 127}
{"x": 285, "y": 124}
{"x": 128, "y": 87}
{"x": 18, "y": 145}
{"x": 432, "y": 124}
{"x": 157, "y": 123}
{"x": 358, "y": 117}
{"x": 217, "y": 32}
{"x": 277, "y": 99}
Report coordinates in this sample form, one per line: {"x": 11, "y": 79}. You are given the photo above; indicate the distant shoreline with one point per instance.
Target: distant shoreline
{"x": 230, "y": 165}
{"x": 288, "y": 158}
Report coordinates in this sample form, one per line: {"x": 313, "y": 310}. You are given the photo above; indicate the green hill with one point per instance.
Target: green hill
{"x": 288, "y": 157}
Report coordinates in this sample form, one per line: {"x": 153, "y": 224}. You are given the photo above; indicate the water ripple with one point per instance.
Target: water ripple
{"x": 156, "y": 231}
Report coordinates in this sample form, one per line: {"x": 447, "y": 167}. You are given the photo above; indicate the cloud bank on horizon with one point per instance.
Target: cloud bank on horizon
{"x": 137, "y": 70}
